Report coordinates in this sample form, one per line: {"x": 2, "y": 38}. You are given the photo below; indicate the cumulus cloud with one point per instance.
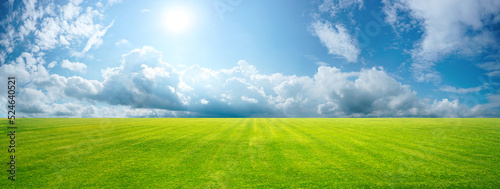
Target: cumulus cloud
{"x": 143, "y": 81}
{"x": 74, "y": 66}
{"x": 203, "y": 101}
{"x": 449, "y": 28}
{"x": 337, "y": 39}
{"x": 32, "y": 101}
{"x": 145, "y": 86}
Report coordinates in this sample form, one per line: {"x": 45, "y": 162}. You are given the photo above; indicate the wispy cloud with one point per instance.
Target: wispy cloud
{"x": 96, "y": 39}
{"x": 493, "y": 68}
{"x": 112, "y": 2}
{"x": 451, "y": 89}
{"x": 52, "y": 64}
{"x": 249, "y": 100}
{"x": 337, "y": 39}
{"x": 334, "y": 6}
{"x": 122, "y": 42}
{"x": 51, "y": 26}
{"x": 449, "y": 27}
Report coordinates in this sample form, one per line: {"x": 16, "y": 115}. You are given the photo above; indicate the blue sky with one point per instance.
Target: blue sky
{"x": 242, "y": 58}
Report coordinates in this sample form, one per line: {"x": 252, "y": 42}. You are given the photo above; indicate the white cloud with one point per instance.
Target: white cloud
{"x": 81, "y": 88}
{"x": 494, "y": 101}
{"x": 337, "y": 39}
{"x": 83, "y": 26}
{"x": 145, "y": 10}
{"x": 71, "y": 10}
{"x": 249, "y": 100}
{"x": 66, "y": 109}
{"x": 495, "y": 73}
{"x": 8, "y": 39}
{"x": 334, "y": 6}
{"x": 2, "y": 57}
{"x": 19, "y": 25}
{"x": 493, "y": 68}
{"x": 142, "y": 81}
{"x": 451, "y": 89}
{"x": 144, "y": 86}
{"x": 320, "y": 63}
{"x": 29, "y": 17}
{"x": 122, "y": 42}
{"x": 394, "y": 11}
{"x": 52, "y": 64}
{"x": 32, "y": 101}
{"x": 48, "y": 36}
{"x": 203, "y": 101}
{"x": 44, "y": 25}
{"x": 446, "y": 108}
{"x": 449, "y": 28}
{"x": 112, "y": 2}
{"x": 96, "y": 39}
{"x": 74, "y": 66}
{"x": 490, "y": 66}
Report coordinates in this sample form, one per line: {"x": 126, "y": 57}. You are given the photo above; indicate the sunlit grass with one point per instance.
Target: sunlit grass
{"x": 255, "y": 153}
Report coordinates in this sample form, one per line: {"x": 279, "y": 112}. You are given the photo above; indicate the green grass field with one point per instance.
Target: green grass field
{"x": 254, "y": 153}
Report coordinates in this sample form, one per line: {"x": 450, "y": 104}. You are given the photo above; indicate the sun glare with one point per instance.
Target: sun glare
{"x": 178, "y": 20}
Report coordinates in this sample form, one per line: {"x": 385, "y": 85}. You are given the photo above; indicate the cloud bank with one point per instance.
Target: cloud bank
{"x": 145, "y": 86}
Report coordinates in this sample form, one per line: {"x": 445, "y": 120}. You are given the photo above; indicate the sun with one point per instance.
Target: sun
{"x": 178, "y": 20}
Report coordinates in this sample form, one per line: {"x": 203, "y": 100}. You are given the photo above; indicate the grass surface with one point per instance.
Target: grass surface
{"x": 254, "y": 153}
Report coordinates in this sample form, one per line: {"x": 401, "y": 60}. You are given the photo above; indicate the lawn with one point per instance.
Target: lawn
{"x": 254, "y": 153}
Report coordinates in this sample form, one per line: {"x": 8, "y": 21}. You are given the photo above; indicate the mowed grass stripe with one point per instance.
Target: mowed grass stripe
{"x": 89, "y": 135}
{"x": 176, "y": 163}
{"x": 170, "y": 158}
{"x": 86, "y": 126}
{"x": 434, "y": 147}
{"x": 257, "y": 153}
{"x": 408, "y": 150}
{"x": 127, "y": 151}
{"x": 69, "y": 156}
{"x": 408, "y": 146}
{"x": 335, "y": 148}
{"x": 219, "y": 169}
{"x": 304, "y": 153}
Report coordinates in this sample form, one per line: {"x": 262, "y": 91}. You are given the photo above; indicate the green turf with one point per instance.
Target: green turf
{"x": 254, "y": 153}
